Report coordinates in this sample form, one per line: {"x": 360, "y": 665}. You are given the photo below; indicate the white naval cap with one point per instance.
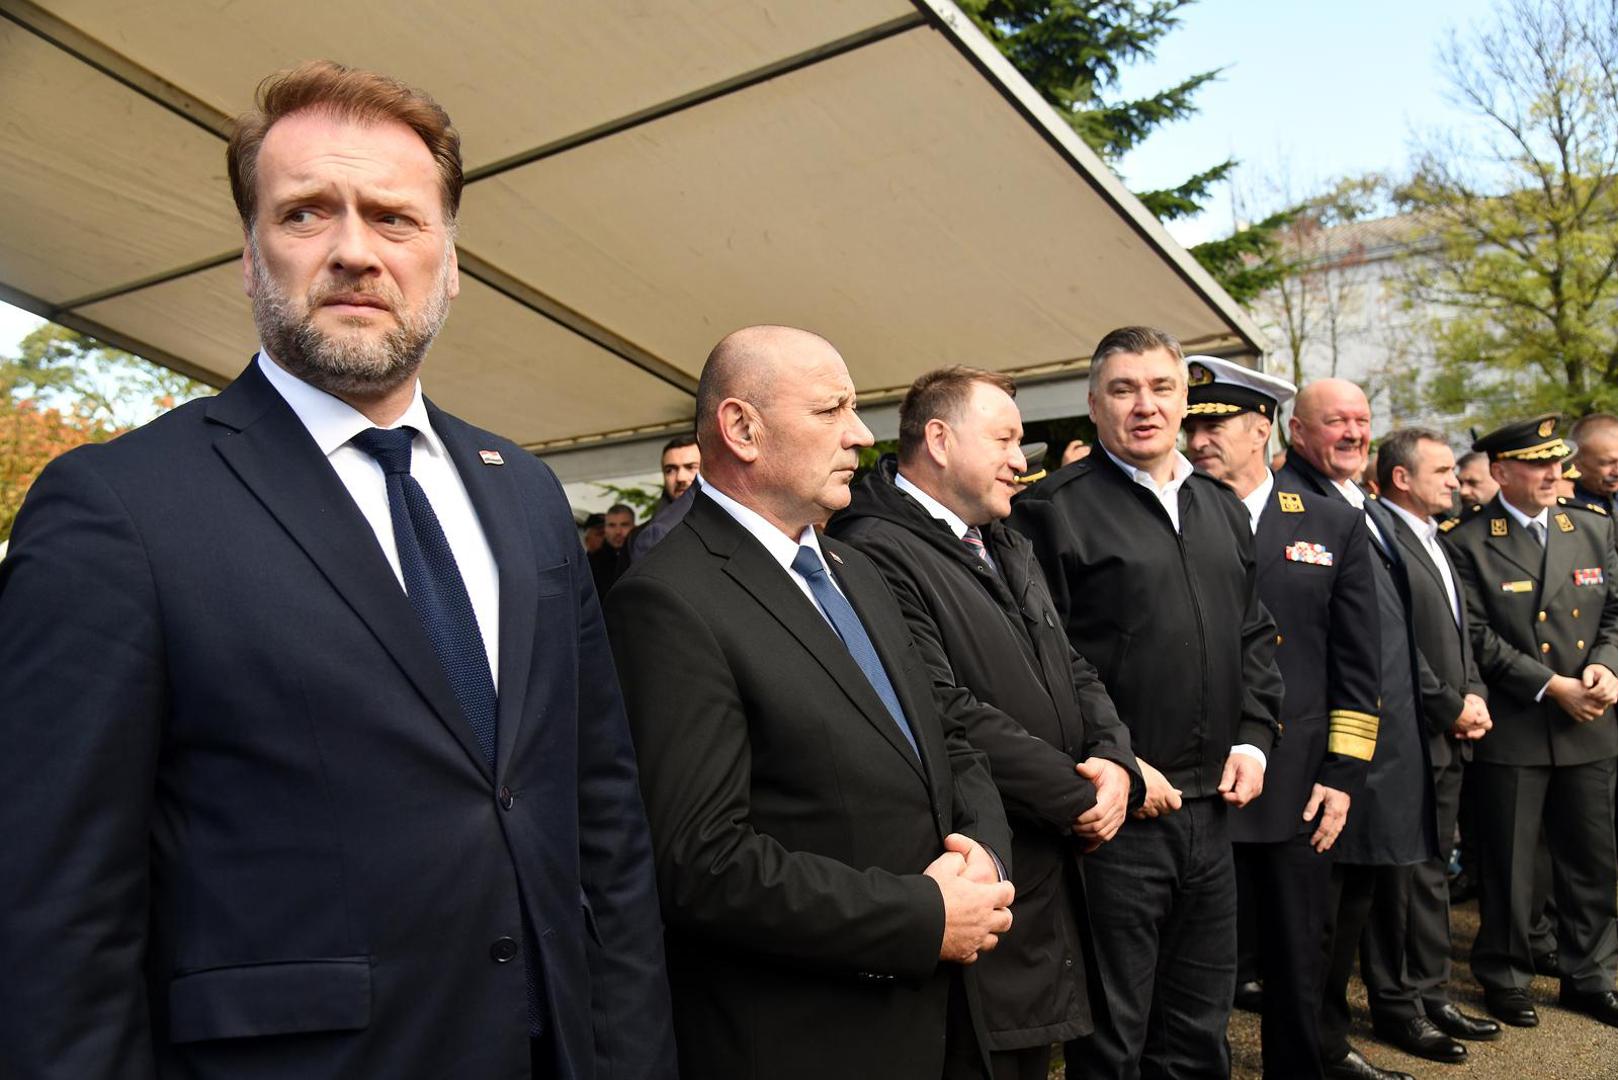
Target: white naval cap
{"x": 1220, "y": 387}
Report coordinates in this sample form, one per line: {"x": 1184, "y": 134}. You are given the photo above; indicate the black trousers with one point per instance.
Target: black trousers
{"x": 1284, "y": 890}
{"x": 1367, "y": 910}
{"x": 1424, "y": 909}
{"x": 1574, "y": 804}
{"x": 1162, "y": 898}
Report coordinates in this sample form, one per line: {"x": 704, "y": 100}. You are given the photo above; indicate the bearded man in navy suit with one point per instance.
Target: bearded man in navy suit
{"x": 314, "y": 763}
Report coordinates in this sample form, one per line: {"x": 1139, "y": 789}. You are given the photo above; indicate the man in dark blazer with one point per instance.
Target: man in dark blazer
{"x": 1314, "y": 576}
{"x": 1392, "y": 827}
{"x": 314, "y": 762}
{"x": 979, "y": 609}
{"x": 1595, "y": 452}
{"x": 1417, "y": 479}
{"x": 1151, "y": 569}
{"x": 1541, "y": 583}
{"x": 830, "y": 854}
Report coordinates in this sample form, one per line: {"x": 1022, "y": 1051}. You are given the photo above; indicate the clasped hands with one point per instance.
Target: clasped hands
{"x": 1474, "y": 722}
{"x": 977, "y": 904}
{"x": 1586, "y": 697}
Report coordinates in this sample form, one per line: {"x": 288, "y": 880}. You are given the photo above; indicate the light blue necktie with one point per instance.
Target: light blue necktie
{"x": 847, "y": 624}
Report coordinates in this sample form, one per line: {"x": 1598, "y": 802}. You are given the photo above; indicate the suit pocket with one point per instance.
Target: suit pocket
{"x": 553, "y": 580}
{"x": 278, "y": 998}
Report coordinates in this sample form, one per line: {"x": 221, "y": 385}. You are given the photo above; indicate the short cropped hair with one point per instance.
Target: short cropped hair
{"x": 941, "y": 395}
{"x": 1132, "y": 339}
{"x": 1584, "y": 425}
{"x": 679, "y": 441}
{"x": 349, "y": 94}
{"x": 621, "y": 508}
{"x": 1398, "y": 450}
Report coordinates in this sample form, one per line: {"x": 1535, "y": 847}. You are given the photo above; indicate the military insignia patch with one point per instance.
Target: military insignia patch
{"x": 1547, "y": 429}
{"x": 1497, "y": 526}
{"x": 1564, "y": 523}
{"x": 1516, "y": 586}
{"x": 1590, "y": 576}
{"x": 1289, "y": 503}
{"x": 1198, "y": 375}
{"x": 1305, "y": 552}
{"x": 1446, "y": 526}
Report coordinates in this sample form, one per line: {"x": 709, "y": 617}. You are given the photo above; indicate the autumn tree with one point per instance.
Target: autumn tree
{"x": 1521, "y": 273}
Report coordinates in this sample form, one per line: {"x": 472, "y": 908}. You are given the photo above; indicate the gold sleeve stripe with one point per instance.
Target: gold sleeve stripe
{"x": 1354, "y": 746}
{"x": 1350, "y": 714}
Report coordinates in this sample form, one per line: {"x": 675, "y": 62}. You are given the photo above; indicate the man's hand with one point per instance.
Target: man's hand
{"x": 1474, "y": 722}
{"x": 980, "y": 865}
{"x": 1243, "y": 779}
{"x": 1599, "y": 679}
{"x": 1162, "y": 797}
{"x": 1332, "y": 821}
{"x": 1101, "y": 822}
{"x": 1583, "y": 703}
{"x": 975, "y": 915}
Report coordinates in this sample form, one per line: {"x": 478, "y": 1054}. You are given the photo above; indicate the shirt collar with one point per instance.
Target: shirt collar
{"x": 1522, "y": 518}
{"x": 331, "y": 421}
{"x": 1350, "y": 491}
{"x": 1425, "y": 528}
{"x": 782, "y": 548}
{"x": 1258, "y": 498}
{"x": 1182, "y": 472}
{"x": 932, "y": 506}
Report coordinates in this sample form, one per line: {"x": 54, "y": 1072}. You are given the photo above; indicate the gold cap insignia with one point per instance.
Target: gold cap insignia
{"x": 1497, "y": 526}
{"x": 1289, "y": 503}
{"x": 1199, "y": 375}
{"x": 1547, "y": 427}
{"x": 1564, "y": 522}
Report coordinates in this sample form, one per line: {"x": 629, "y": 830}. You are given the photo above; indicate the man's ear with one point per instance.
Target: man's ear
{"x": 739, "y": 428}
{"x": 938, "y": 435}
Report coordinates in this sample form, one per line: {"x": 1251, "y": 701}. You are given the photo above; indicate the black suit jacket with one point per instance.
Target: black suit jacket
{"x": 1315, "y": 578}
{"x": 1534, "y": 612}
{"x": 791, "y": 818}
{"x": 1445, "y": 666}
{"x": 248, "y": 831}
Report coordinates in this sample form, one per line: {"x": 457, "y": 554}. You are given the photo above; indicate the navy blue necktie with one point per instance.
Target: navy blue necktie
{"x": 433, "y": 583}
{"x": 852, "y": 631}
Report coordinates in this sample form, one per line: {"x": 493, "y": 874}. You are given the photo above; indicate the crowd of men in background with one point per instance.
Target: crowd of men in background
{"x": 330, "y": 752}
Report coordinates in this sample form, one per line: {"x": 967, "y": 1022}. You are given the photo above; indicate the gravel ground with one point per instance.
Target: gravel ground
{"x": 1565, "y": 1045}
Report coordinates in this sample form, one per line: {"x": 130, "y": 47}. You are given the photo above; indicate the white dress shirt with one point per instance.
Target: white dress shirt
{"x": 956, "y": 523}
{"x": 1169, "y": 494}
{"x": 332, "y": 422}
{"x": 1426, "y": 530}
{"x": 1356, "y": 498}
{"x": 1542, "y": 519}
{"x": 1258, "y": 498}
{"x": 782, "y": 548}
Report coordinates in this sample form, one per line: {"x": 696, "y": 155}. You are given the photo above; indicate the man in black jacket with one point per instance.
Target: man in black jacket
{"x": 1151, "y": 569}
{"x": 1314, "y": 576}
{"x": 1392, "y": 829}
{"x": 979, "y": 609}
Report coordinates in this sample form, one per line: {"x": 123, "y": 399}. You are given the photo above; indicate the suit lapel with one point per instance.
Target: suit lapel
{"x": 1518, "y": 545}
{"x": 271, "y": 452}
{"x": 1272, "y": 533}
{"x": 1558, "y": 559}
{"x": 499, "y": 506}
{"x": 1414, "y": 552}
{"x": 748, "y": 564}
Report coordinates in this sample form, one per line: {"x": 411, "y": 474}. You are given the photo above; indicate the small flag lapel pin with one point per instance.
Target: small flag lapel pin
{"x": 491, "y": 457}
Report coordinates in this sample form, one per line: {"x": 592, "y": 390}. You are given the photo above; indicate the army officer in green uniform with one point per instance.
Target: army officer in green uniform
{"x": 1541, "y": 590}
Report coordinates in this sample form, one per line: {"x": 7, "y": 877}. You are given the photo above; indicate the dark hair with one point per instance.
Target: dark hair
{"x": 1398, "y": 450}
{"x": 620, "y": 508}
{"x": 688, "y": 439}
{"x": 940, "y": 395}
{"x": 1133, "y": 339}
{"x": 346, "y": 93}
{"x": 1470, "y": 456}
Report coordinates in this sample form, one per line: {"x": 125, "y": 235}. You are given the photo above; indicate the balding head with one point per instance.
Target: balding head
{"x": 1331, "y": 427}
{"x": 776, "y": 424}
{"x": 1595, "y": 439}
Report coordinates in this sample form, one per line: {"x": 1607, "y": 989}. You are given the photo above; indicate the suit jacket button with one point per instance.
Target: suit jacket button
{"x": 505, "y": 798}
{"x": 1541, "y": 616}
{"x": 1545, "y": 647}
{"x": 504, "y": 950}
{"x": 1579, "y": 645}
{"x": 1278, "y": 639}
{"x": 1575, "y": 613}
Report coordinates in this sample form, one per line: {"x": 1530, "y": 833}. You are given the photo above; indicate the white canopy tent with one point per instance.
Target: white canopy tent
{"x": 643, "y": 176}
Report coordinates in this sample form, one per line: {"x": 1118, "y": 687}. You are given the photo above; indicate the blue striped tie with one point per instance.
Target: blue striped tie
{"x": 848, "y": 626}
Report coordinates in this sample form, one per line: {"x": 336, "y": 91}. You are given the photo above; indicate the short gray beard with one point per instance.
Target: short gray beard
{"x": 346, "y": 365}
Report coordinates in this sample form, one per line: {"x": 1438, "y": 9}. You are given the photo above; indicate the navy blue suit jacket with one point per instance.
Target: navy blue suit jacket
{"x": 247, "y": 831}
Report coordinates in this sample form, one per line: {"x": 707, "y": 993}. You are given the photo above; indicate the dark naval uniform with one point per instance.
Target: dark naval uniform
{"x": 1172, "y": 620}
{"x": 1538, "y": 611}
{"x": 1315, "y": 578}
{"x": 1392, "y": 822}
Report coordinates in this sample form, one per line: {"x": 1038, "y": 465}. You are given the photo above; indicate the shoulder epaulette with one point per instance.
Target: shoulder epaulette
{"x": 1575, "y": 504}
{"x": 1446, "y": 526}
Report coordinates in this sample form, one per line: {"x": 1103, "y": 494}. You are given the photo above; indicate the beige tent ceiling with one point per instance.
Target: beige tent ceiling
{"x": 644, "y": 175}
